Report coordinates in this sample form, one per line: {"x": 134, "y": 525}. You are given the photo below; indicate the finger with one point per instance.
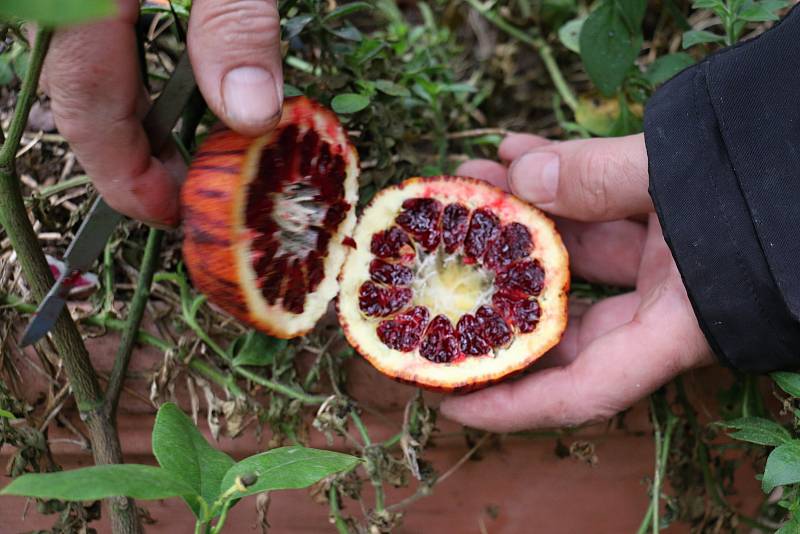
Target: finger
{"x": 587, "y": 322}
{"x": 609, "y": 374}
{"x": 487, "y": 170}
{"x": 608, "y": 252}
{"x": 588, "y": 180}
{"x": 604, "y": 252}
{"x": 97, "y": 102}
{"x": 516, "y": 144}
{"x": 235, "y": 50}
{"x": 657, "y": 260}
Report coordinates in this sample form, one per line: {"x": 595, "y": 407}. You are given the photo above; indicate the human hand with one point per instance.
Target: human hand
{"x": 98, "y": 99}
{"x": 619, "y": 349}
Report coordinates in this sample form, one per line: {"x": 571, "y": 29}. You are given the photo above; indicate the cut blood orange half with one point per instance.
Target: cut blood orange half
{"x": 265, "y": 218}
{"x": 453, "y": 284}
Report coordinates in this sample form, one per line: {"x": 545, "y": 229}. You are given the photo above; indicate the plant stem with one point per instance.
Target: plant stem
{"x": 336, "y": 515}
{"x": 372, "y": 470}
{"x": 302, "y": 396}
{"x": 539, "y": 44}
{"x": 64, "y": 185}
{"x": 66, "y": 338}
{"x": 99, "y": 321}
{"x": 711, "y": 486}
{"x": 135, "y": 314}
{"x": 223, "y": 380}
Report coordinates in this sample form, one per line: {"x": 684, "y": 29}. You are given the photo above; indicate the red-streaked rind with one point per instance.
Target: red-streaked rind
{"x": 216, "y": 246}
{"x": 470, "y": 373}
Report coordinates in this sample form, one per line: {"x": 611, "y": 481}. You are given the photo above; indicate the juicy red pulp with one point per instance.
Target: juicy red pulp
{"x": 295, "y": 203}
{"x": 480, "y": 239}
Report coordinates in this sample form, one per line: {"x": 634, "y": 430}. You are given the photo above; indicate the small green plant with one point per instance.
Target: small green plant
{"x": 207, "y": 479}
{"x": 782, "y": 469}
{"x": 733, "y": 16}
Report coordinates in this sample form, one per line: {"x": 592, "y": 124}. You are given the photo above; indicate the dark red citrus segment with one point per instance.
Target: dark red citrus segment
{"x": 525, "y": 277}
{"x": 390, "y": 273}
{"x": 258, "y": 212}
{"x": 470, "y": 336}
{"x": 521, "y": 312}
{"x": 273, "y": 278}
{"x": 379, "y": 301}
{"x": 493, "y": 328}
{"x": 391, "y": 243}
{"x": 420, "y": 218}
{"x": 526, "y": 316}
{"x": 268, "y": 248}
{"x": 484, "y": 226}
{"x": 323, "y": 239}
{"x": 440, "y": 344}
{"x": 455, "y": 221}
{"x": 336, "y": 214}
{"x": 404, "y": 332}
{"x": 514, "y": 243}
{"x": 268, "y": 178}
{"x": 308, "y": 149}
{"x": 295, "y": 296}
{"x": 315, "y": 268}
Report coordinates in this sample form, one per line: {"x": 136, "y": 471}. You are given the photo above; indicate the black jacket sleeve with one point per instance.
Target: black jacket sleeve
{"x": 723, "y": 142}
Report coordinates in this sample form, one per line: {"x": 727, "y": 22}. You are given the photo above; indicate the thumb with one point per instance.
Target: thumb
{"x": 587, "y": 180}
{"x": 234, "y": 46}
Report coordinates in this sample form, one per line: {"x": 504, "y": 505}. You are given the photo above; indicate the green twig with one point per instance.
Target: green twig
{"x": 66, "y": 337}
{"x": 336, "y": 515}
{"x": 60, "y": 187}
{"x": 135, "y": 315}
{"x": 302, "y": 396}
{"x": 539, "y": 44}
{"x": 712, "y": 488}
{"x": 372, "y": 470}
{"x": 99, "y": 321}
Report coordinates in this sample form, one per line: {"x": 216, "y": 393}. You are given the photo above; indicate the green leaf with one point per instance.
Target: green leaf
{"x": 783, "y": 466}
{"x": 391, "y": 88}
{"x": 706, "y": 4}
{"x": 627, "y": 123}
{"x": 569, "y": 34}
{"x": 287, "y": 468}
{"x": 457, "y": 88}
{"x": 632, "y": 12}
{"x": 6, "y": 73}
{"x": 665, "y": 67}
{"x": 757, "y": 12}
{"x": 256, "y": 348}
{"x": 346, "y": 9}
{"x": 695, "y": 37}
{"x": 99, "y": 482}
{"x": 349, "y": 103}
{"x": 788, "y": 382}
{"x": 792, "y": 526}
{"x": 608, "y": 48}
{"x": 6, "y": 414}
{"x": 57, "y": 12}
{"x": 291, "y": 90}
{"x": 759, "y": 430}
{"x": 183, "y": 451}
{"x": 293, "y": 26}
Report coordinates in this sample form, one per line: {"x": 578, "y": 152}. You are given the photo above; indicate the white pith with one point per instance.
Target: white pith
{"x": 445, "y": 285}
{"x": 290, "y": 324}
{"x": 295, "y": 212}
{"x": 411, "y": 366}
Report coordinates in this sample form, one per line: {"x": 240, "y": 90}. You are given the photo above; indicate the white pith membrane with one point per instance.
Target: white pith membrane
{"x": 455, "y": 290}
{"x": 293, "y": 214}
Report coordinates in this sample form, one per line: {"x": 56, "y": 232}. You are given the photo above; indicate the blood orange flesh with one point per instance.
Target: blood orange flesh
{"x": 265, "y": 218}
{"x": 453, "y": 284}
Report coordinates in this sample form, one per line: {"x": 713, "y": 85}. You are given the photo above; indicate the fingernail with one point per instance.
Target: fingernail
{"x": 251, "y": 96}
{"x": 534, "y": 177}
